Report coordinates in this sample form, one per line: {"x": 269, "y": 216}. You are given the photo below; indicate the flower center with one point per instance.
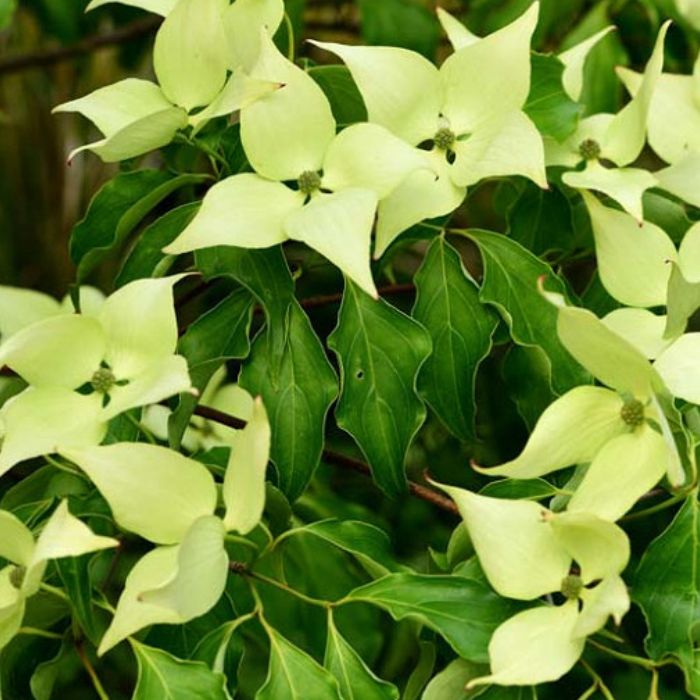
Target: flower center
{"x": 444, "y": 138}
{"x": 571, "y": 587}
{"x": 17, "y": 576}
{"x": 309, "y": 181}
{"x": 632, "y": 413}
{"x": 103, "y": 380}
{"x": 589, "y": 149}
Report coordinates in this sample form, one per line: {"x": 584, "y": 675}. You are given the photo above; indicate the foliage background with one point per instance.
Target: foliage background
{"x": 49, "y": 53}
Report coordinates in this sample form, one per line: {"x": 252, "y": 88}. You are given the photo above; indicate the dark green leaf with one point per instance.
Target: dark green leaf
{"x": 163, "y": 677}
{"x": 46, "y": 673}
{"x": 668, "y": 214}
{"x": 75, "y": 575}
{"x": 399, "y": 23}
{"x": 465, "y": 611}
{"x": 534, "y": 489}
{"x": 294, "y": 675}
{"x": 368, "y": 543}
{"x": 297, "y": 403}
{"x": 510, "y": 284}
{"x": 499, "y": 692}
{"x": 116, "y": 210}
{"x": 342, "y": 93}
{"x": 356, "y": 680}
{"x": 666, "y": 588}
{"x": 555, "y": 114}
{"x": 460, "y": 328}
{"x": 146, "y": 256}
{"x": 540, "y": 220}
{"x": 218, "y": 335}
{"x": 527, "y": 373}
{"x": 267, "y": 277}
{"x": 450, "y": 683}
{"x": 682, "y": 302}
{"x": 380, "y": 351}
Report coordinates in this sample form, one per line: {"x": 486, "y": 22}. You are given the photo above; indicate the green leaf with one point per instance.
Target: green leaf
{"x": 7, "y": 10}
{"x": 46, "y": 674}
{"x": 294, "y": 675}
{"x": 540, "y": 220}
{"x": 422, "y": 671}
{"x": 501, "y": 692}
{"x": 666, "y": 588}
{"x": 116, "y": 210}
{"x": 368, "y": 543}
{"x": 75, "y": 575}
{"x": 380, "y": 351}
{"x": 683, "y": 302}
{"x": 146, "y": 256}
{"x": 162, "y": 676}
{"x": 465, "y": 611}
{"x": 297, "y": 403}
{"x": 527, "y": 373}
{"x": 219, "y": 335}
{"x": 460, "y": 327}
{"x": 266, "y": 275}
{"x": 555, "y": 114}
{"x": 399, "y": 23}
{"x": 532, "y": 489}
{"x": 356, "y": 680}
{"x": 510, "y": 284}
{"x": 450, "y": 683}
{"x": 346, "y": 101}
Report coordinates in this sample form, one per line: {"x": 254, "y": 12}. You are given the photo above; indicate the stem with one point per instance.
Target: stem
{"x": 65, "y": 468}
{"x": 646, "y": 664}
{"x": 655, "y": 509}
{"x": 39, "y": 633}
{"x": 587, "y": 693}
{"x": 600, "y": 684}
{"x": 141, "y": 428}
{"x": 99, "y": 689}
{"x": 338, "y": 459}
{"x": 241, "y": 570}
{"x": 54, "y": 591}
{"x": 290, "y": 37}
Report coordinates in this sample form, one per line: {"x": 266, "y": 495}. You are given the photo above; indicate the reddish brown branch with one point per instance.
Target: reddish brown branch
{"x": 338, "y": 459}
{"x": 50, "y": 57}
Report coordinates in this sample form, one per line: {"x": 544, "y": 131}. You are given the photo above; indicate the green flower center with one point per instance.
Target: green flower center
{"x": 589, "y": 149}
{"x": 17, "y": 576}
{"x": 444, "y": 138}
{"x": 571, "y": 587}
{"x": 103, "y": 380}
{"x": 632, "y": 413}
{"x": 309, "y": 181}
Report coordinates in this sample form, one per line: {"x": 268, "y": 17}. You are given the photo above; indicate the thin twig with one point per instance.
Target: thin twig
{"x": 50, "y": 57}
{"x": 338, "y": 459}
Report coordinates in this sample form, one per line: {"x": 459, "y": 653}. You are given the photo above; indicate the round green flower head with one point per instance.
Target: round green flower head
{"x": 571, "y": 587}
{"x": 309, "y": 181}
{"x": 589, "y": 149}
{"x": 103, "y": 380}
{"x": 632, "y": 412}
{"x": 444, "y": 138}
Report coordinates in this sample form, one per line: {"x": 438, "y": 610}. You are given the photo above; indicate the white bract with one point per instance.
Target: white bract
{"x": 173, "y": 507}
{"x": 196, "y": 47}
{"x": 617, "y": 139}
{"x": 63, "y": 535}
{"x": 527, "y": 551}
{"x": 470, "y": 109}
{"x": 289, "y": 137}
{"x": 84, "y": 370}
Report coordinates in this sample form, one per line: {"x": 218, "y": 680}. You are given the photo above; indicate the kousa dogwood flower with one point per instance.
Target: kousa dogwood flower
{"x": 527, "y": 551}
{"x": 620, "y": 431}
{"x": 617, "y": 139}
{"x": 84, "y": 370}
{"x": 470, "y": 110}
{"x": 20, "y": 307}
{"x": 63, "y": 535}
{"x": 170, "y": 500}
{"x": 640, "y": 266}
{"x": 196, "y": 47}
{"x": 289, "y": 136}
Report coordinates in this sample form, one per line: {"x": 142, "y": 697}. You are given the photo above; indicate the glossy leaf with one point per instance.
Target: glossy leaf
{"x": 340, "y": 89}
{"x": 116, "y": 210}
{"x": 294, "y": 675}
{"x": 450, "y": 683}
{"x": 164, "y": 676}
{"x": 380, "y": 351}
{"x": 465, "y": 611}
{"x": 555, "y": 114}
{"x": 75, "y": 575}
{"x": 297, "y": 402}
{"x": 266, "y": 275}
{"x": 356, "y": 680}
{"x": 460, "y": 326}
{"x": 510, "y": 284}
{"x": 665, "y": 587}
